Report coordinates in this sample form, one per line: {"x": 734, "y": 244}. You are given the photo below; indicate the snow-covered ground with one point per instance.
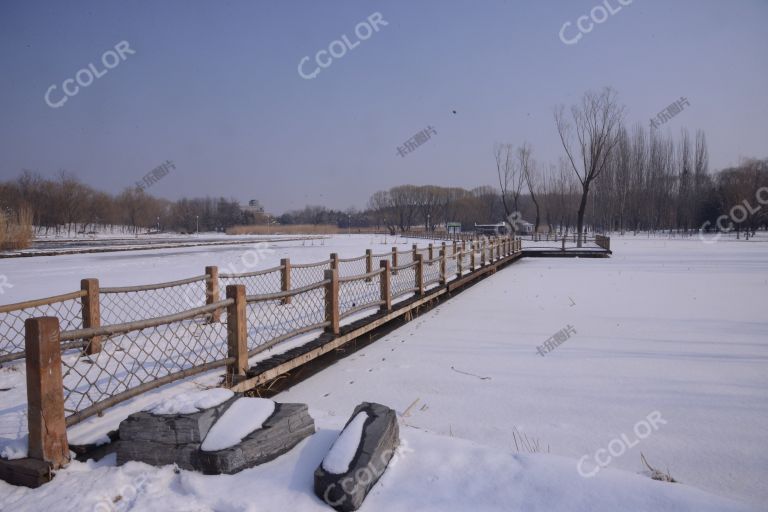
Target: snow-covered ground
{"x": 667, "y": 356}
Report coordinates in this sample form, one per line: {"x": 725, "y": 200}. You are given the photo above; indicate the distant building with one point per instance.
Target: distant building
{"x": 453, "y": 227}
{"x": 491, "y": 229}
{"x": 253, "y": 206}
{"x": 501, "y": 228}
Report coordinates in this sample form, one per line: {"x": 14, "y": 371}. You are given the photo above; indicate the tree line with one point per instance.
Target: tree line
{"x": 608, "y": 178}
{"x": 66, "y": 205}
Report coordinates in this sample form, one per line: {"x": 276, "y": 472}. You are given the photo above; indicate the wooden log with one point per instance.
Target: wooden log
{"x": 385, "y": 279}
{"x": 45, "y": 392}
{"x": 91, "y": 312}
{"x": 27, "y": 472}
{"x": 285, "y": 278}
{"x": 419, "y": 279}
{"x": 332, "y": 301}
{"x": 212, "y": 291}
{"x": 237, "y": 334}
{"x": 443, "y": 276}
{"x": 368, "y": 263}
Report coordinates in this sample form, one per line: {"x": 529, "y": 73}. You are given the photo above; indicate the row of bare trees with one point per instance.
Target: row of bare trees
{"x": 404, "y": 207}
{"x": 66, "y": 205}
{"x": 639, "y": 180}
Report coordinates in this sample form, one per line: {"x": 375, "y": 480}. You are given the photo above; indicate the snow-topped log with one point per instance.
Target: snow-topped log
{"x": 288, "y": 425}
{"x": 358, "y": 457}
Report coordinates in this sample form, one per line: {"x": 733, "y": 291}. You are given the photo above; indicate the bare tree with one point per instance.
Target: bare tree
{"x": 594, "y": 125}
{"x": 531, "y": 174}
{"x": 511, "y": 180}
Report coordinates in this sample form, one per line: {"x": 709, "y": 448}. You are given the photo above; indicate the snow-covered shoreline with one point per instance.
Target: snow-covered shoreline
{"x": 676, "y": 327}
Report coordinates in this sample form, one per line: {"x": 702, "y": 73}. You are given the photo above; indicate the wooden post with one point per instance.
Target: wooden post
{"x": 431, "y": 254}
{"x": 415, "y": 249}
{"x": 563, "y": 248}
{"x": 472, "y": 256}
{"x": 334, "y": 261}
{"x": 463, "y": 245}
{"x": 332, "y": 301}
{"x": 212, "y": 291}
{"x": 454, "y": 248}
{"x": 285, "y": 278}
{"x": 385, "y": 278}
{"x": 368, "y": 264}
{"x": 45, "y": 392}
{"x": 237, "y": 333}
{"x": 91, "y": 312}
{"x": 443, "y": 277}
{"x": 459, "y": 270}
{"x": 394, "y": 260}
{"x": 482, "y": 253}
{"x": 419, "y": 274}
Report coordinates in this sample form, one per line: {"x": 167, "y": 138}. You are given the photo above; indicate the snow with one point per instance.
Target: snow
{"x": 669, "y": 325}
{"x": 438, "y": 473}
{"x": 345, "y": 447}
{"x": 189, "y": 403}
{"x": 244, "y": 416}
{"x": 15, "y": 448}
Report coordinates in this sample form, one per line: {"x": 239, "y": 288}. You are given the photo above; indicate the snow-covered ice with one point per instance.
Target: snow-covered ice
{"x": 189, "y": 403}
{"x": 674, "y": 326}
{"x": 244, "y": 416}
{"x": 345, "y": 447}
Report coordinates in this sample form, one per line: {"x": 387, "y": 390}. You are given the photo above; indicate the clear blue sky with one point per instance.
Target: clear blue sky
{"x": 214, "y": 87}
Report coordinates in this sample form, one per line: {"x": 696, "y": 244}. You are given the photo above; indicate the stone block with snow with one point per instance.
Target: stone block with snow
{"x": 239, "y": 441}
{"x": 215, "y": 431}
{"x": 182, "y": 419}
{"x": 358, "y": 457}
{"x": 170, "y": 432}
